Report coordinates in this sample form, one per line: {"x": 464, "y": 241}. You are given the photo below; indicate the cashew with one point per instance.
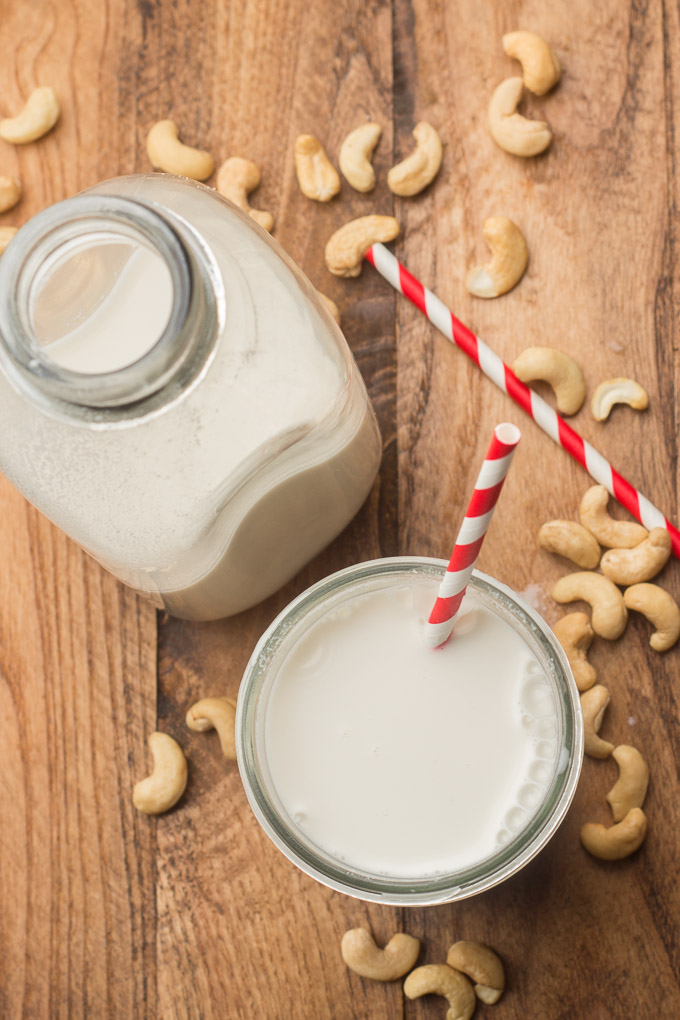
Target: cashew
{"x": 482, "y": 966}
{"x": 609, "y": 612}
{"x": 609, "y": 532}
{"x": 218, "y": 714}
{"x": 166, "y": 152}
{"x": 419, "y": 169}
{"x": 630, "y": 789}
{"x": 593, "y": 704}
{"x": 571, "y": 540}
{"x": 557, "y": 369}
{"x": 39, "y": 115}
{"x": 630, "y": 566}
{"x": 509, "y": 129}
{"x": 6, "y": 235}
{"x": 617, "y": 391}
{"x": 355, "y": 156}
{"x": 235, "y": 179}
{"x": 440, "y": 979}
{"x": 509, "y": 259}
{"x": 362, "y": 955}
{"x": 348, "y": 245}
{"x": 540, "y": 67}
{"x": 317, "y": 177}
{"x": 660, "y": 609}
{"x": 617, "y": 841}
{"x": 575, "y": 635}
{"x": 163, "y": 788}
{"x": 331, "y": 306}
{"x": 10, "y": 193}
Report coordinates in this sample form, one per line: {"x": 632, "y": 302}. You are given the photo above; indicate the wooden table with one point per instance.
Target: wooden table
{"x": 107, "y": 913}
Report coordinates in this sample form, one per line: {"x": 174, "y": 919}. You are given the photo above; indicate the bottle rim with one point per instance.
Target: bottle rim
{"x": 38, "y": 240}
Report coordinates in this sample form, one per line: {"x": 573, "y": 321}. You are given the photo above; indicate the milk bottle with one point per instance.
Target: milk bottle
{"x": 175, "y": 396}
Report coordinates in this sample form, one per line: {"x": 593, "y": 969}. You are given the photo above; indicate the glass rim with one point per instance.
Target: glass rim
{"x": 496, "y": 868}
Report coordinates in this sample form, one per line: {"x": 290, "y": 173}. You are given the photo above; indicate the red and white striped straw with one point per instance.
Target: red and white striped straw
{"x": 472, "y": 532}
{"x": 545, "y": 417}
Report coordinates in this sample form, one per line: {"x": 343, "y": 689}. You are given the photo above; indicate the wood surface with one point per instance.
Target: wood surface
{"x": 106, "y": 913}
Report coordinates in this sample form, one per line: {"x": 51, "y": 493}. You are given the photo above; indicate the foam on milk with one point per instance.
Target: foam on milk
{"x": 405, "y": 761}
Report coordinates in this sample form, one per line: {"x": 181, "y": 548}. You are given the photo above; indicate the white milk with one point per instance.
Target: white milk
{"x": 401, "y": 760}
{"x": 123, "y": 326}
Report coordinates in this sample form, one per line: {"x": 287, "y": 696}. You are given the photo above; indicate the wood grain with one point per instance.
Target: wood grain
{"x": 104, "y": 913}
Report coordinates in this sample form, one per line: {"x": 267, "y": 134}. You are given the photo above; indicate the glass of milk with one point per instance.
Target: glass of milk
{"x": 175, "y": 395}
{"x": 399, "y": 773}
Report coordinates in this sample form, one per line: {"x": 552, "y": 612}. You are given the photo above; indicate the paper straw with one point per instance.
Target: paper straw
{"x": 545, "y": 417}
{"x": 472, "y": 531}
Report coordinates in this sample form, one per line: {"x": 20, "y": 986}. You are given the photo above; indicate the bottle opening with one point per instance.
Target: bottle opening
{"x": 95, "y": 298}
{"x": 100, "y": 303}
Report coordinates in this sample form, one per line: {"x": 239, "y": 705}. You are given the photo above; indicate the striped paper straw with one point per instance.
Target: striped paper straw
{"x": 545, "y": 417}
{"x": 472, "y": 531}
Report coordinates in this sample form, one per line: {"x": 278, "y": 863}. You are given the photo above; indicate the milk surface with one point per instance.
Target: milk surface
{"x": 135, "y": 299}
{"x": 405, "y": 761}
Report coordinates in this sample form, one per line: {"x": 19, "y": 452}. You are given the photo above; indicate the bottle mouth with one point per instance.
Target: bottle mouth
{"x": 94, "y": 294}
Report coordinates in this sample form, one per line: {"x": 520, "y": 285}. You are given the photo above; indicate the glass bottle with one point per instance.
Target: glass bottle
{"x": 175, "y": 396}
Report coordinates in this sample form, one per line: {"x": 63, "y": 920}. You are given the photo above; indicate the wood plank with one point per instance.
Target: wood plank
{"x": 237, "y": 924}
{"x": 598, "y": 287}
{"x": 77, "y": 651}
{"x": 77, "y": 864}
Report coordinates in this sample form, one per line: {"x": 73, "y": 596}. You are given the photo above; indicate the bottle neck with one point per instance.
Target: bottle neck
{"x": 102, "y": 301}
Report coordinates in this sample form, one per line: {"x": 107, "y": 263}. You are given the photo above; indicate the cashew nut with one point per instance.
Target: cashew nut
{"x": 163, "y": 788}
{"x": 508, "y": 262}
{"x": 166, "y": 152}
{"x": 39, "y": 115}
{"x": 218, "y": 714}
{"x": 644, "y": 561}
{"x": 317, "y": 177}
{"x": 419, "y": 169}
{"x": 540, "y": 67}
{"x": 482, "y": 966}
{"x": 571, "y": 540}
{"x": 609, "y": 614}
{"x": 363, "y": 956}
{"x": 10, "y": 193}
{"x": 575, "y": 635}
{"x": 331, "y": 306}
{"x": 440, "y": 979}
{"x": 617, "y": 841}
{"x": 609, "y": 532}
{"x": 348, "y": 245}
{"x": 235, "y": 179}
{"x": 630, "y": 789}
{"x": 509, "y": 129}
{"x": 559, "y": 370}
{"x": 593, "y": 704}
{"x": 617, "y": 391}
{"x": 661, "y": 610}
{"x": 6, "y": 235}
{"x": 355, "y": 156}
